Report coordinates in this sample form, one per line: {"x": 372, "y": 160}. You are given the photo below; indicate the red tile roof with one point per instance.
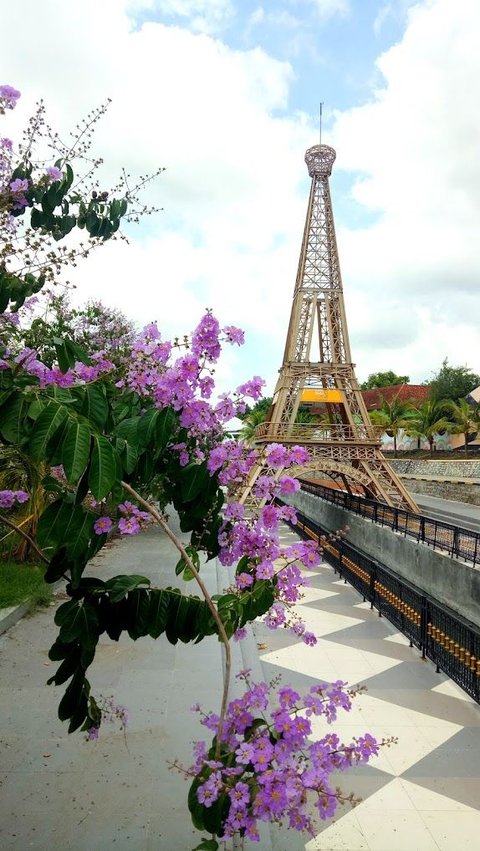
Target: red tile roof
{"x": 415, "y": 393}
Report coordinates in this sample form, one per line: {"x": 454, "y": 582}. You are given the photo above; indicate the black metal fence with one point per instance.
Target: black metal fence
{"x": 451, "y": 642}
{"x": 456, "y": 542}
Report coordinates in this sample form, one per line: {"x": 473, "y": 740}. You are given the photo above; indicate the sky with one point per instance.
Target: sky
{"x": 225, "y": 95}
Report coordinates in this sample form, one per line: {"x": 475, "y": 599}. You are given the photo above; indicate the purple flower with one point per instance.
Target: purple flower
{"x": 19, "y": 185}
{"x": 92, "y": 734}
{"x": 207, "y": 794}
{"x": 129, "y": 526}
{"x": 244, "y": 580}
{"x": 288, "y": 485}
{"x": 234, "y": 335}
{"x": 9, "y": 498}
{"x": 9, "y": 96}
{"x": 252, "y": 388}
{"x": 244, "y": 753}
{"x": 54, "y": 173}
{"x": 102, "y": 525}
{"x": 240, "y": 794}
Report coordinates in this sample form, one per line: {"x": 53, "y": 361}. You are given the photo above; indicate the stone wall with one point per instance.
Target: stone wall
{"x": 447, "y": 479}
{"x": 451, "y": 582}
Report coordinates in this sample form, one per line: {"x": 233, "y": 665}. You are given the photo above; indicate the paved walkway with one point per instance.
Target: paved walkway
{"x": 61, "y": 793}
{"x": 422, "y": 794}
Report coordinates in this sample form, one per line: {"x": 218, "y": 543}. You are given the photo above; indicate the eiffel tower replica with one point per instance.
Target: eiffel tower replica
{"x": 344, "y": 446}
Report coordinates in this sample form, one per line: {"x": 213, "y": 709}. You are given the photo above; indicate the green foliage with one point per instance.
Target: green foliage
{"x": 102, "y": 436}
{"x": 61, "y": 333}
{"x": 429, "y": 419}
{"x": 384, "y": 379}
{"x": 20, "y": 582}
{"x": 465, "y": 419}
{"x": 452, "y": 382}
{"x": 261, "y": 407}
{"x": 54, "y": 210}
{"x": 394, "y": 416}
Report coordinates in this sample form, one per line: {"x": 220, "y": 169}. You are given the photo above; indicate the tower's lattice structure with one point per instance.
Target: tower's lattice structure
{"x": 317, "y": 366}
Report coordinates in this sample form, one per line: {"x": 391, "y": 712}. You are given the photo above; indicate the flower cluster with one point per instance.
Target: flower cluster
{"x": 9, "y": 498}
{"x": 8, "y": 98}
{"x": 79, "y": 374}
{"x": 185, "y": 383}
{"x": 267, "y": 767}
{"x": 133, "y": 520}
{"x": 108, "y": 711}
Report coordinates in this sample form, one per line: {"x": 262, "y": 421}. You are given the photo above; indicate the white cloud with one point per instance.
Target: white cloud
{"x": 208, "y": 16}
{"x": 230, "y": 232}
{"x": 329, "y": 8}
{"x": 416, "y": 146}
{"x": 235, "y": 190}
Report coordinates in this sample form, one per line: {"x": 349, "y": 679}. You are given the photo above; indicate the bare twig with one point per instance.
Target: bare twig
{"x": 30, "y": 540}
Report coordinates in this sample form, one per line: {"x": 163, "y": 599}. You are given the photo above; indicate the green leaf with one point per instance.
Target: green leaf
{"x": 145, "y": 427}
{"x": 45, "y": 427}
{"x": 72, "y": 697}
{"x": 181, "y": 565}
{"x": 103, "y": 470}
{"x": 78, "y": 620}
{"x": 195, "y": 808}
{"x": 64, "y": 354}
{"x": 214, "y": 817}
{"x": 207, "y": 845}
{"x": 129, "y": 457}
{"x": 95, "y": 405}
{"x": 164, "y": 428}
{"x": 64, "y": 524}
{"x": 59, "y": 651}
{"x": 119, "y": 586}
{"x": 76, "y": 450}
{"x": 194, "y": 478}
{"x": 58, "y": 566}
{"x": 67, "y": 668}
{"x": 138, "y": 610}
{"x": 13, "y": 415}
{"x": 80, "y": 714}
{"x": 158, "y": 612}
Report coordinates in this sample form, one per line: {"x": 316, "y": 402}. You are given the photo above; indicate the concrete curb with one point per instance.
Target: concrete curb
{"x": 12, "y": 614}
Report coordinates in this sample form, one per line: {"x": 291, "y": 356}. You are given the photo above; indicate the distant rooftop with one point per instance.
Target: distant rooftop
{"x": 415, "y": 393}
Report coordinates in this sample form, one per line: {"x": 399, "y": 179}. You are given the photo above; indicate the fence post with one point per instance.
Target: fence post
{"x": 372, "y": 584}
{"x": 424, "y": 626}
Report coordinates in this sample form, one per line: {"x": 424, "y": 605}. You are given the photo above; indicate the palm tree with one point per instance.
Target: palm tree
{"x": 250, "y": 422}
{"x": 393, "y": 417}
{"x": 465, "y": 419}
{"x": 18, "y": 472}
{"x": 429, "y": 420}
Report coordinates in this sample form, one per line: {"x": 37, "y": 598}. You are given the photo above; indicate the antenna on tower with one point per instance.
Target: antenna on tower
{"x": 320, "y": 121}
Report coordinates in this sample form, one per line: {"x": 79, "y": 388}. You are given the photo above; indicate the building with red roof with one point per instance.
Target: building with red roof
{"x": 417, "y": 394}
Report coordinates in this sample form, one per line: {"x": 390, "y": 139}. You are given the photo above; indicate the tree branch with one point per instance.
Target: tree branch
{"x": 30, "y": 540}
{"x": 211, "y": 605}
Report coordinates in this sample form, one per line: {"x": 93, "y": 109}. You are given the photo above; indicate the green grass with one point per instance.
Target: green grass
{"x": 21, "y": 582}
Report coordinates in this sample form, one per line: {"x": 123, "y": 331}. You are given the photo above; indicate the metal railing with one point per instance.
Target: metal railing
{"x": 456, "y": 542}
{"x": 451, "y": 642}
{"x": 317, "y": 433}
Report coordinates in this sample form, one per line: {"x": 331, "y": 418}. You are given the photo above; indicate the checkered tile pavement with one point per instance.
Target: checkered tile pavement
{"x": 422, "y": 794}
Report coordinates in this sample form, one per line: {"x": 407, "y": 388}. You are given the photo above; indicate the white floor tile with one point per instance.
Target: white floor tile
{"x": 451, "y": 689}
{"x": 454, "y": 832}
{"x": 426, "y": 800}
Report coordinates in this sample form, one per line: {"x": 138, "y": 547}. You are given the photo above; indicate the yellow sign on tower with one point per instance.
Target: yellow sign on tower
{"x": 318, "y": 395}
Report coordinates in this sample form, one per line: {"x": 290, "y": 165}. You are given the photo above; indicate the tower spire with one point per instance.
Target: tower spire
{"x": 317, "y": 367}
